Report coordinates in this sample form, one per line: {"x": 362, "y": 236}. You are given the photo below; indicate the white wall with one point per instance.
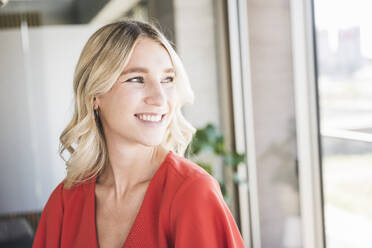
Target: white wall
{"x": 274, "y": 122}
{"x": 35, "y": 105}
{"x": 195, "y": 34}
{"x": 195, "y": 39}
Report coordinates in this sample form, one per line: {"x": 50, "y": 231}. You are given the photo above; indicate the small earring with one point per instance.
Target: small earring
{"x": 96, "y": 114}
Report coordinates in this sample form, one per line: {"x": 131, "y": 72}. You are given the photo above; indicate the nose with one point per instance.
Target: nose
{"x": 155, "y": 94}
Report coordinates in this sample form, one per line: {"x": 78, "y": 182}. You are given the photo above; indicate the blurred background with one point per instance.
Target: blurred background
{"x": 288, "y": 83}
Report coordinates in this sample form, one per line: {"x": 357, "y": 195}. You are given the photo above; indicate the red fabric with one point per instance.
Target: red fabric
{"x": 183, "y": 207}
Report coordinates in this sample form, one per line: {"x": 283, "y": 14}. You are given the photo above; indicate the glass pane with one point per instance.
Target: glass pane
{"x": 344, "y": 53}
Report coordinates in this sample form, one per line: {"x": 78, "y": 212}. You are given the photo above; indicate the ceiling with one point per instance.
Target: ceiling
{"x": 55, "y": 12}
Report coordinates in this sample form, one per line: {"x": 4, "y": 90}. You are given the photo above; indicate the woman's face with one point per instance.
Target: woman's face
{"x": 140, "y": 105}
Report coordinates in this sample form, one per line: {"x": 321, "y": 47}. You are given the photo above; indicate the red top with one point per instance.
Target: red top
{"x": 183, "y": 207}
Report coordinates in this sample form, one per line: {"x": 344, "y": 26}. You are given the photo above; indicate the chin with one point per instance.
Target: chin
{"x": 152, "y": 142}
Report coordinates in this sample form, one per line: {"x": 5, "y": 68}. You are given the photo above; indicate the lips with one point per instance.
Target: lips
{"x": 148, "y": 123}
{"x": 150, "y": 114}
{"x": 162, "y": 115}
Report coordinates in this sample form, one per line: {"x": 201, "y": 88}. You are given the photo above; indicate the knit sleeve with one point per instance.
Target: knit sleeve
{"x": 48, "y": 232}
{"x": 199, "y": 216}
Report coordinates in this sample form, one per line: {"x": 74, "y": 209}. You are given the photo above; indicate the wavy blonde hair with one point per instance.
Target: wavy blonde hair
{"x": 101, "y": 61}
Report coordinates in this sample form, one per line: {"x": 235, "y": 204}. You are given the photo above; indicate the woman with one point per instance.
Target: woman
{"x": 127, "y": 183}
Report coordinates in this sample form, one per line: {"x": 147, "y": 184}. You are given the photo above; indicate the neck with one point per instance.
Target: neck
{"x": 130, "y": 166}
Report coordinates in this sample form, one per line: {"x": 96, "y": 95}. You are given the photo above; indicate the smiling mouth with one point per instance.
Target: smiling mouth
{"x": 161, "y": 119}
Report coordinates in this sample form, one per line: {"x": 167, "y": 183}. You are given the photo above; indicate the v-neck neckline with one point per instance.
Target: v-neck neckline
{"x": 144, "y": 201}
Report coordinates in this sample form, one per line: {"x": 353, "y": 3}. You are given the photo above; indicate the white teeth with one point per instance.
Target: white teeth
{"x": 153, "y": 118}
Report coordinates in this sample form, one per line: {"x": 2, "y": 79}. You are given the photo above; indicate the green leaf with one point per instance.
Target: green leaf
{"x": 210, "y": 139}
{"x": 207, "y": 167}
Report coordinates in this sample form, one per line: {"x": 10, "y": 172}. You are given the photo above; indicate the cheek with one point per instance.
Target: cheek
{"x": 171, "y": 95}
{"x": 119, "y": 105}
{"x": 172, "y": 102}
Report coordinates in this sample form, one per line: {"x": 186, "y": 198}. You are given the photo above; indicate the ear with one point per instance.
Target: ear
{"x": 95, "y": 103}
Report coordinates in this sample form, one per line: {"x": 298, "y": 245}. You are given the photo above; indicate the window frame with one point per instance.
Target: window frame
{"x": 307, "y": 123}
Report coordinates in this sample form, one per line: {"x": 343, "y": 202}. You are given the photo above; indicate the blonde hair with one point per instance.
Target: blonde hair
{"x": 101, "y": 61}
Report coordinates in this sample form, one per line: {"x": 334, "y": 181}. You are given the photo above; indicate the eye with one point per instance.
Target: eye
{"x": 169, "y": 80}
{"x": 135, "y": 79}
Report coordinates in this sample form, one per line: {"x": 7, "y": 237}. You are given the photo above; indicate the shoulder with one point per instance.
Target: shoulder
{"x": 186, "y": 170}
{"x": 196, "y": 187}
{"x": 197, "y": 192}
{"x": 49, "y": 229}
{"x": 199, "y": 216}
{"x": 61, "y": 195}
{"x": 55, "y": 199}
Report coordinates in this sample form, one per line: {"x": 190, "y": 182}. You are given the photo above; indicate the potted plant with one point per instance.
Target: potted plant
{"x": 209, "y": 139}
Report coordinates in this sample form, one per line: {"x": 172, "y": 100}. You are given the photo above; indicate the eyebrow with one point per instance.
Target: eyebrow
{"x": 143, "y": 70}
